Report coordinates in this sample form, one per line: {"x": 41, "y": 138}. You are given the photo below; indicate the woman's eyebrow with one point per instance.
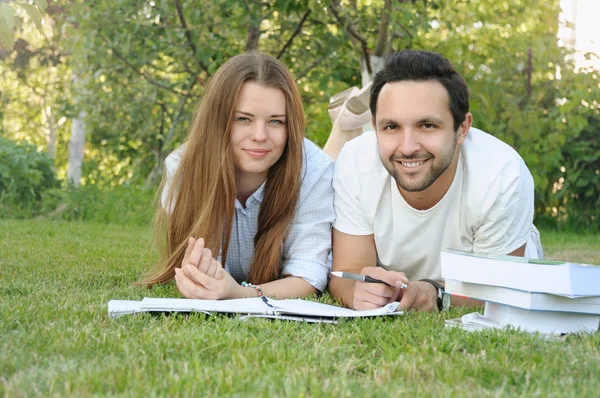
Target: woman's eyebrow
{"x": 243, "y": 113}
{"x": 250, "y": 114}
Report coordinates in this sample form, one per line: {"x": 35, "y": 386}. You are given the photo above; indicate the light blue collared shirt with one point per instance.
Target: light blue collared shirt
{"x": 307, "y": 245}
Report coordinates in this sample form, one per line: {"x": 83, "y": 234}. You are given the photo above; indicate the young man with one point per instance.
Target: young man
{"x": 424, "y": 181}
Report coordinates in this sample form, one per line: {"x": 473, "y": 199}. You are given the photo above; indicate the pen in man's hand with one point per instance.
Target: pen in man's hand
{"x": 363, "y": 278}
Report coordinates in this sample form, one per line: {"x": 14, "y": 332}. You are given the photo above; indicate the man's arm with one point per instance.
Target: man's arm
{"x": 357, "y": 254}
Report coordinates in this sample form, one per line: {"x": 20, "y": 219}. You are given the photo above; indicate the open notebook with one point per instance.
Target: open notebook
{"x": 256, "y": 306}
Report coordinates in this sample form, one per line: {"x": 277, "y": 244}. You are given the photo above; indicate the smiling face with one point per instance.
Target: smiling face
{"x": 258, "y": 133}
{"x": 416, "y": 137}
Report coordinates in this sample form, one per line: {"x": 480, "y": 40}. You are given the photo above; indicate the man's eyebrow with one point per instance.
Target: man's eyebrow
{"x": 431, "y": 119}
{"x": 386, "y": 121}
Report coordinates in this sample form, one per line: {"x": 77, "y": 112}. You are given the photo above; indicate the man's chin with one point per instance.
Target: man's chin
{"x": 411, "y": 186}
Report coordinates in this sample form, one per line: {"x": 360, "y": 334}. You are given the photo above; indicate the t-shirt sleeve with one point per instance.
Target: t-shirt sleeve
{"x": 507, "y": 210}
{"x": 171, "y": 165}
{"x": 308, "y": 243}
{"x": 350, "y": 218}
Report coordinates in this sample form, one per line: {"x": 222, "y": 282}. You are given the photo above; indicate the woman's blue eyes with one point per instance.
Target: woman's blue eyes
{"x": 273, "y": 121}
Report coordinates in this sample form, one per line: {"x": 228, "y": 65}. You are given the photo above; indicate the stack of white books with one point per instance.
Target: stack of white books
{"x": 549, "y": 297}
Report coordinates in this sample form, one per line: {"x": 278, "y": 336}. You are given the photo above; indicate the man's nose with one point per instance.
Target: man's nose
{"x": 409, "y": 143}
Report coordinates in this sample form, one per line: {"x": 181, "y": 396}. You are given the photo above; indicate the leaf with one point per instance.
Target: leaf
{"x": 7, "y": 24}
{"x": 42, "y": 4}
{"x": 34, "y": 13}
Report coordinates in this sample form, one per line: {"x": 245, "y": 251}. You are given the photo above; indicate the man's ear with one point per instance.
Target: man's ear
{"x": 463, "y": 130}
{"x": 373, "y": 123}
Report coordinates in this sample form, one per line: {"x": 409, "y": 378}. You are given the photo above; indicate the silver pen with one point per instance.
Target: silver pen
{"x": 363, "y": 278}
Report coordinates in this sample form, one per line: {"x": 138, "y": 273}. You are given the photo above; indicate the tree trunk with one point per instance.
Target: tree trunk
{"x": 48, "y": 118}
{"x": 376, "y": 66}
{"x": 76, "y": 147}
{"x": 252, "y": 36}
{"x": 156, "y": 172}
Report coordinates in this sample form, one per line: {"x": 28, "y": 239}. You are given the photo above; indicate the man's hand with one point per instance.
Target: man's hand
{"x": 368, "y": 296}
{"x": 419, "y": 295}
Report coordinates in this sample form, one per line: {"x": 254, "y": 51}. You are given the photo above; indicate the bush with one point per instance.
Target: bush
{"x": 25, "y": 174}
{"x": 124, "y": 205}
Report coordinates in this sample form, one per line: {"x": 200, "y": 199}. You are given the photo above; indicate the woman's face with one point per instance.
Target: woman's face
{"x": 258, "y": 133}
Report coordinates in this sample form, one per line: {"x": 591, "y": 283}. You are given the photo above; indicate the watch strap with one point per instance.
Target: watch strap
{"x": 440, "y": 292}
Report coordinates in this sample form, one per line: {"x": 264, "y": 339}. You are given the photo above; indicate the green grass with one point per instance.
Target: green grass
{"x": 56, "y": 338}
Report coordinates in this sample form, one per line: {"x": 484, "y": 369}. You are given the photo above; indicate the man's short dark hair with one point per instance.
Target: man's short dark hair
{"x": 419, "y": 65}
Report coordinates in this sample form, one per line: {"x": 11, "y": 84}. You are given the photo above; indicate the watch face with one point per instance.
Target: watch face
{"x": 446, "y": 302}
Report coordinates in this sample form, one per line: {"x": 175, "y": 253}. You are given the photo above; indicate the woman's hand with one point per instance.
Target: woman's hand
{"x": 200, "y": 257}
{"x": 206, "y": 280}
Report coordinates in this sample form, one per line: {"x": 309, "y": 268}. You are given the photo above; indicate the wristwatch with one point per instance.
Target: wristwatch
{"x": 443, "y": 299}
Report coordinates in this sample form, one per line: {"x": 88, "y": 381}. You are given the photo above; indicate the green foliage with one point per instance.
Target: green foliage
{"x": 11, "y": 21}
{"x": 125, "y": 205}
{"x": 56, "y": 338}
{"x": 145, "y": 66}
{"x": 25, "y": 175}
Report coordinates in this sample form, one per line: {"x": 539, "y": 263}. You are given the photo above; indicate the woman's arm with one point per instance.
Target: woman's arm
{"x": 196, "y": 284}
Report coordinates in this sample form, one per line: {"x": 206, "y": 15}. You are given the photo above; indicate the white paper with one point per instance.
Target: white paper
{"x": 297, "y": 309}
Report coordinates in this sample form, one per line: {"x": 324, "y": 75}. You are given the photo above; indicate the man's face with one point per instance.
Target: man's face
{"x": 415, "y": 132}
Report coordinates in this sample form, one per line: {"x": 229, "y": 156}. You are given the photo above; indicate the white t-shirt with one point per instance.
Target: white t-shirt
{"x": 487, "y": 209}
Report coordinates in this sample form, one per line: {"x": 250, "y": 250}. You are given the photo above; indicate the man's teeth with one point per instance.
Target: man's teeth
{"x": 412, "y": 164}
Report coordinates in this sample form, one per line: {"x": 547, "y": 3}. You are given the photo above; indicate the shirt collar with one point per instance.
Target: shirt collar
{"x": 254, "y": 200}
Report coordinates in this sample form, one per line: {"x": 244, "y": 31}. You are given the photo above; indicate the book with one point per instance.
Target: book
{"x": 290, "y": 309}
{"x": 476, "y": 322}
{"x": 555, "y": 277}
{"x": 545, "y": 322}
{"x": 524, "y": 299}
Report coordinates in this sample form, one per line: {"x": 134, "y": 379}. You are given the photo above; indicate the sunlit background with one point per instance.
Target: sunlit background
{"x": 580, "y": 29}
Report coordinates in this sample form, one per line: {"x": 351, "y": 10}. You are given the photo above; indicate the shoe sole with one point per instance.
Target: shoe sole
{"x": 359, "y": 104}
{"x": 339, "y": 98}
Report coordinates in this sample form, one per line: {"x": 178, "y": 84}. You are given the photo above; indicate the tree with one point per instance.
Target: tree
{"x": 11, "y": 18}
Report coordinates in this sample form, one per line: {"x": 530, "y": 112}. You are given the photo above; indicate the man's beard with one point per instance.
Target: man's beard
{"x": 435, "y": 171}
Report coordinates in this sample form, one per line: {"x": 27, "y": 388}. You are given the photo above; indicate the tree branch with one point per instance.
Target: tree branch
{"x": 188, "y": 34}
{"x": 406, "y": 30}
{"x": 296, "y": 31}
{"x": 145, "y": 76}
{"x": 382, "y": 38}
{"x": 310, "y": 67}
{"x": 358, "y": 38}
{"x": 177, "y": 119}
{"x": 346, "y": 25}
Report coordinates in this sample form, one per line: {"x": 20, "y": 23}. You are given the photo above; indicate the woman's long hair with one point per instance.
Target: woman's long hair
{"x": 200, "y": 199}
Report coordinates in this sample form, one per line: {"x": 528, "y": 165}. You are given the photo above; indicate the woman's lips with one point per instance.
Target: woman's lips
{"x": 257, "y": 153}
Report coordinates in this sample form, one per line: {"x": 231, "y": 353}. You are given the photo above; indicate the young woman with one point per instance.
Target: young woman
{"x": 246, "y": 199}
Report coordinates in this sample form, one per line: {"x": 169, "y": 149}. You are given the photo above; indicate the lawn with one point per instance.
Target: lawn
{"x": 56, "y": 338}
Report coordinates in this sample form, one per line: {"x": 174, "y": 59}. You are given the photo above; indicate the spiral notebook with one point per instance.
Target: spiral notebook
{"x": 263, "y": 307}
